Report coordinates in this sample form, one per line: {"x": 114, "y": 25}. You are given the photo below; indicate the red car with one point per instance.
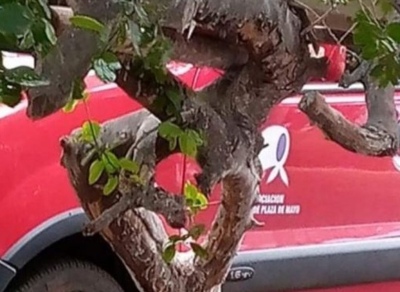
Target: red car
{"x": 332, "y": 218}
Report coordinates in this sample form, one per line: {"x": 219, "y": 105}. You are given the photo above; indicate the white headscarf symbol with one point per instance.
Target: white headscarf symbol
{"x": 276, "y": 153}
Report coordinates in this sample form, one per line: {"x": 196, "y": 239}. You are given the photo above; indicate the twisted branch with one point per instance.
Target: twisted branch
{"x": 378, "y": 137}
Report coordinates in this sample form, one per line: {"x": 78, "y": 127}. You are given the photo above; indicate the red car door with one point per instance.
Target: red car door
{"x": 313, "y": 191}
{"x": 331, "y": 217}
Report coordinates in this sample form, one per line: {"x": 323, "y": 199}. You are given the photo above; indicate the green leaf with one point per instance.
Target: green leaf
{"x": 195, "y": 136}
{"x": 169, "y": 129}
{"x": 10, "y": 94}
{"x": 106, "y": 66}
{"x": 96, "y": 169}
{"x": 369, "y": 52}
{"x": 70, "y": 106}
{"x": 201, "y": 201}
{"x": 148, "y": 35}
{"x": 169, "y": 253}
{"x": 10, "y": 100}
{"x": 25, "y": 76}
{"x": 15, "y": 19}
{"x": 367, "y": 35}
{"x": 90, "y": 131}
{"x": 187, "y": 144}
{"x": 8, "y": 42}
{"x": 46, "y": 10}
{"x": 137, "y": 179}
{"x": 135, "y": 36}
{"x": 172, "y": 143}
{"x": 194, "y": 199}
{"x": 190, "y": 203}
{"x": 27, "y": 41}
{"x": 385, "y": 6}
{"x": 129, "y": 165}
{"x": 50, "y": 32}
{"x": 111, "y": 161}
{"x": 196, "y": 231}
{"x": 175, "y": 97}
{"x": 156, "y": 59}
{"x": 198, "y": 250}
{"x": 190, "y": 191}
{"x": 77, "y": 93}
{"x": 393, "y": 31}
{"x": 78, "y": 90}
{"x": 87, "y": 23}
{"x": 111, "y": 185}
{"x": 42, "y": 42}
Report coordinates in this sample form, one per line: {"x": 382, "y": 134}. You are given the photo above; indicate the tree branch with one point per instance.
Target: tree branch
{"x": 378, "y": 137}
{"x": 58, "y": 66}
{"x": 170, "y": 206}
{"x": 132, "y": 194}
{"x": 137, "y": 235}
{"x": 275, "y": 65}
{"x": 201, "y": 50}
{"x": 371, "y": 139}
{"x": 232, "y": 220}
{"x": 211, "y": 45}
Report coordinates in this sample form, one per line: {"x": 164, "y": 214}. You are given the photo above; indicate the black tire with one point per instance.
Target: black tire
{"x": 69, "y": 276}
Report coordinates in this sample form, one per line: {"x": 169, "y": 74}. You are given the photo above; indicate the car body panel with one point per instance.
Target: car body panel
{"x": 334, "y": 265}
{"x": 309, "y": 209}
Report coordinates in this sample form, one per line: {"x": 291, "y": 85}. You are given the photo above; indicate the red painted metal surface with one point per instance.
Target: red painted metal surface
{"x": 313, "y": 191}
{"x": 321, "y": 193}
{"x": 374, "y": 287}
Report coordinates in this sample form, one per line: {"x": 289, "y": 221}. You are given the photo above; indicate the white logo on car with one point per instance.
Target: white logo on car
{"x": 396, "y": 162}
{"x": 276, "y": 153}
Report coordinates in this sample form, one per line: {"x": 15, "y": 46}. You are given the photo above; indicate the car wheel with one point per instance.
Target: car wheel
{"x": 69, "y": 276}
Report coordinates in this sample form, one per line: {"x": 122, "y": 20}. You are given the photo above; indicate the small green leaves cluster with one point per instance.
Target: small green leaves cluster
{"x": 87, "y": 23}
{"x": 90, "y": 131}
{"x": 105, "y": 64}
{"x": 14, "y": 81}
{"x": 151, "y": 48}
{"x": 107, "y": 162}
{"x": 194, "y": 233}
{"x": 379, "y": 42}
{"x": 195, "y": 201}
{"x": 152, "y": 52}
{"x": 378, "y": 39}
{"x": 24, "y": 25}
{"x": 77, "y": 95}
{"x": 189, "y": 140}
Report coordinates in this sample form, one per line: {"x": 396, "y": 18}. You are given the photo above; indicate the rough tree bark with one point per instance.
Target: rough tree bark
{"x": 378, "y": 137}
{"x": 265, "y": 56}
